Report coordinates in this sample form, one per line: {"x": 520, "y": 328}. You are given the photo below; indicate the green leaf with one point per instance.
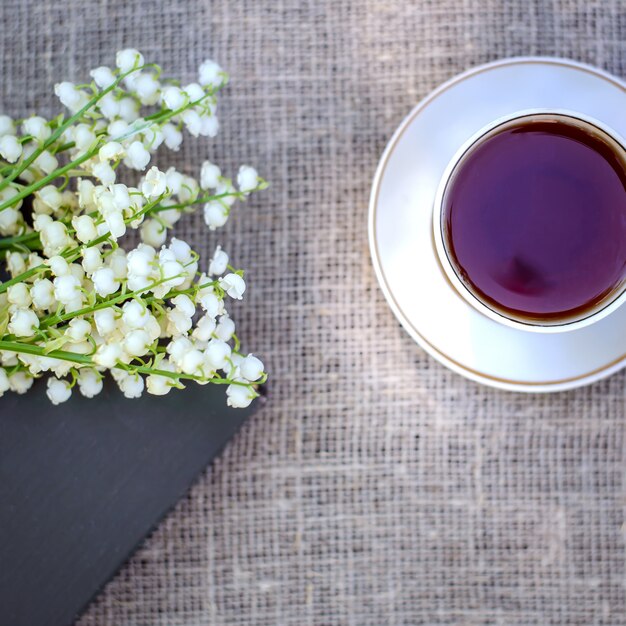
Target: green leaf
{"x": 55, "y": 344}
{"x": 4, "y": 319}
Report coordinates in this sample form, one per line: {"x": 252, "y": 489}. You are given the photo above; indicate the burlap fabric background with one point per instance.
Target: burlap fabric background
{"x": 376, "y": 487}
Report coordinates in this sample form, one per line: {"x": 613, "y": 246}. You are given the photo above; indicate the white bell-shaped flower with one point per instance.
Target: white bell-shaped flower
{"x": 234, "y": 285}
{"x": 128, "y": 59}
{"x": 102, "y": 76}
{"x": 23, "y": 323}
{"x": 89, "y": 382}
{"x": 211, "y": 74}
{"x": 219, "y": 262}
{"x": 58, "y": 390}
{"x": 251, "y": 368}
{"x": 239, "y": 396}
{"x": 10, "y": 148}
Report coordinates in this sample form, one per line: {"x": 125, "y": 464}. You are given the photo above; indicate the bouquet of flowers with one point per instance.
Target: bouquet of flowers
{"x": 74, "y": 303}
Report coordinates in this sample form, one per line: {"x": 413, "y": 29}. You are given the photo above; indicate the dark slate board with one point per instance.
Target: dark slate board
{"x": 83, "y": 483}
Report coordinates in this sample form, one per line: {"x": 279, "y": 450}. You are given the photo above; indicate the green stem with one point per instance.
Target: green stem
{"x": 22, "y": 277}
{"x": 128, "y": 220}
{"x": 49, "y": 323}
{"x": 46, "y": 322}
{"x": 56, "y": 319}
{"x": 202, "y": 200}
{"x": 26, "y": 191}
{"x": 82, "y": 359}
{"x": 166, "y": 114}
{"x": 68, "y": 253}
{"x": 59, "y": 131}
{"x": 7, "y": 242}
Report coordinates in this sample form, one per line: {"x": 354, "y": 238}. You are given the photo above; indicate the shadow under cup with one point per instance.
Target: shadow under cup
{"x": 533, "y": 222}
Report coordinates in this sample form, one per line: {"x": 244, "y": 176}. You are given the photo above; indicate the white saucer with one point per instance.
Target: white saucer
{"x": 400, "y": 227}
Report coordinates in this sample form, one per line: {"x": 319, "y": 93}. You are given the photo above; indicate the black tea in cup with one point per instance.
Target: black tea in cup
{"x": 534, "y": 218}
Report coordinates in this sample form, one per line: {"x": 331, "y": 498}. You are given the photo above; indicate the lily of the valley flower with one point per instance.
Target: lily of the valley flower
{"x": 81, "y": 301}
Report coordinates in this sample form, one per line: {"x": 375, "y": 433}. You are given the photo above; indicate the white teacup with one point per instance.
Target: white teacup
{"x": 614, "y": 299}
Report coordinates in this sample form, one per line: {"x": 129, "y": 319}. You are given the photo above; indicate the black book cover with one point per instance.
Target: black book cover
{"x": 82, "y": 483}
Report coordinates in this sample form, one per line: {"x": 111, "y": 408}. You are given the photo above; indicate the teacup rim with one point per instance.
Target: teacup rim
{"x": 604, "y": 310}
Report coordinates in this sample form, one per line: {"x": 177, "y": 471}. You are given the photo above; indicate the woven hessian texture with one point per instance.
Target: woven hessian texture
{"x": 376, "y": 488}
